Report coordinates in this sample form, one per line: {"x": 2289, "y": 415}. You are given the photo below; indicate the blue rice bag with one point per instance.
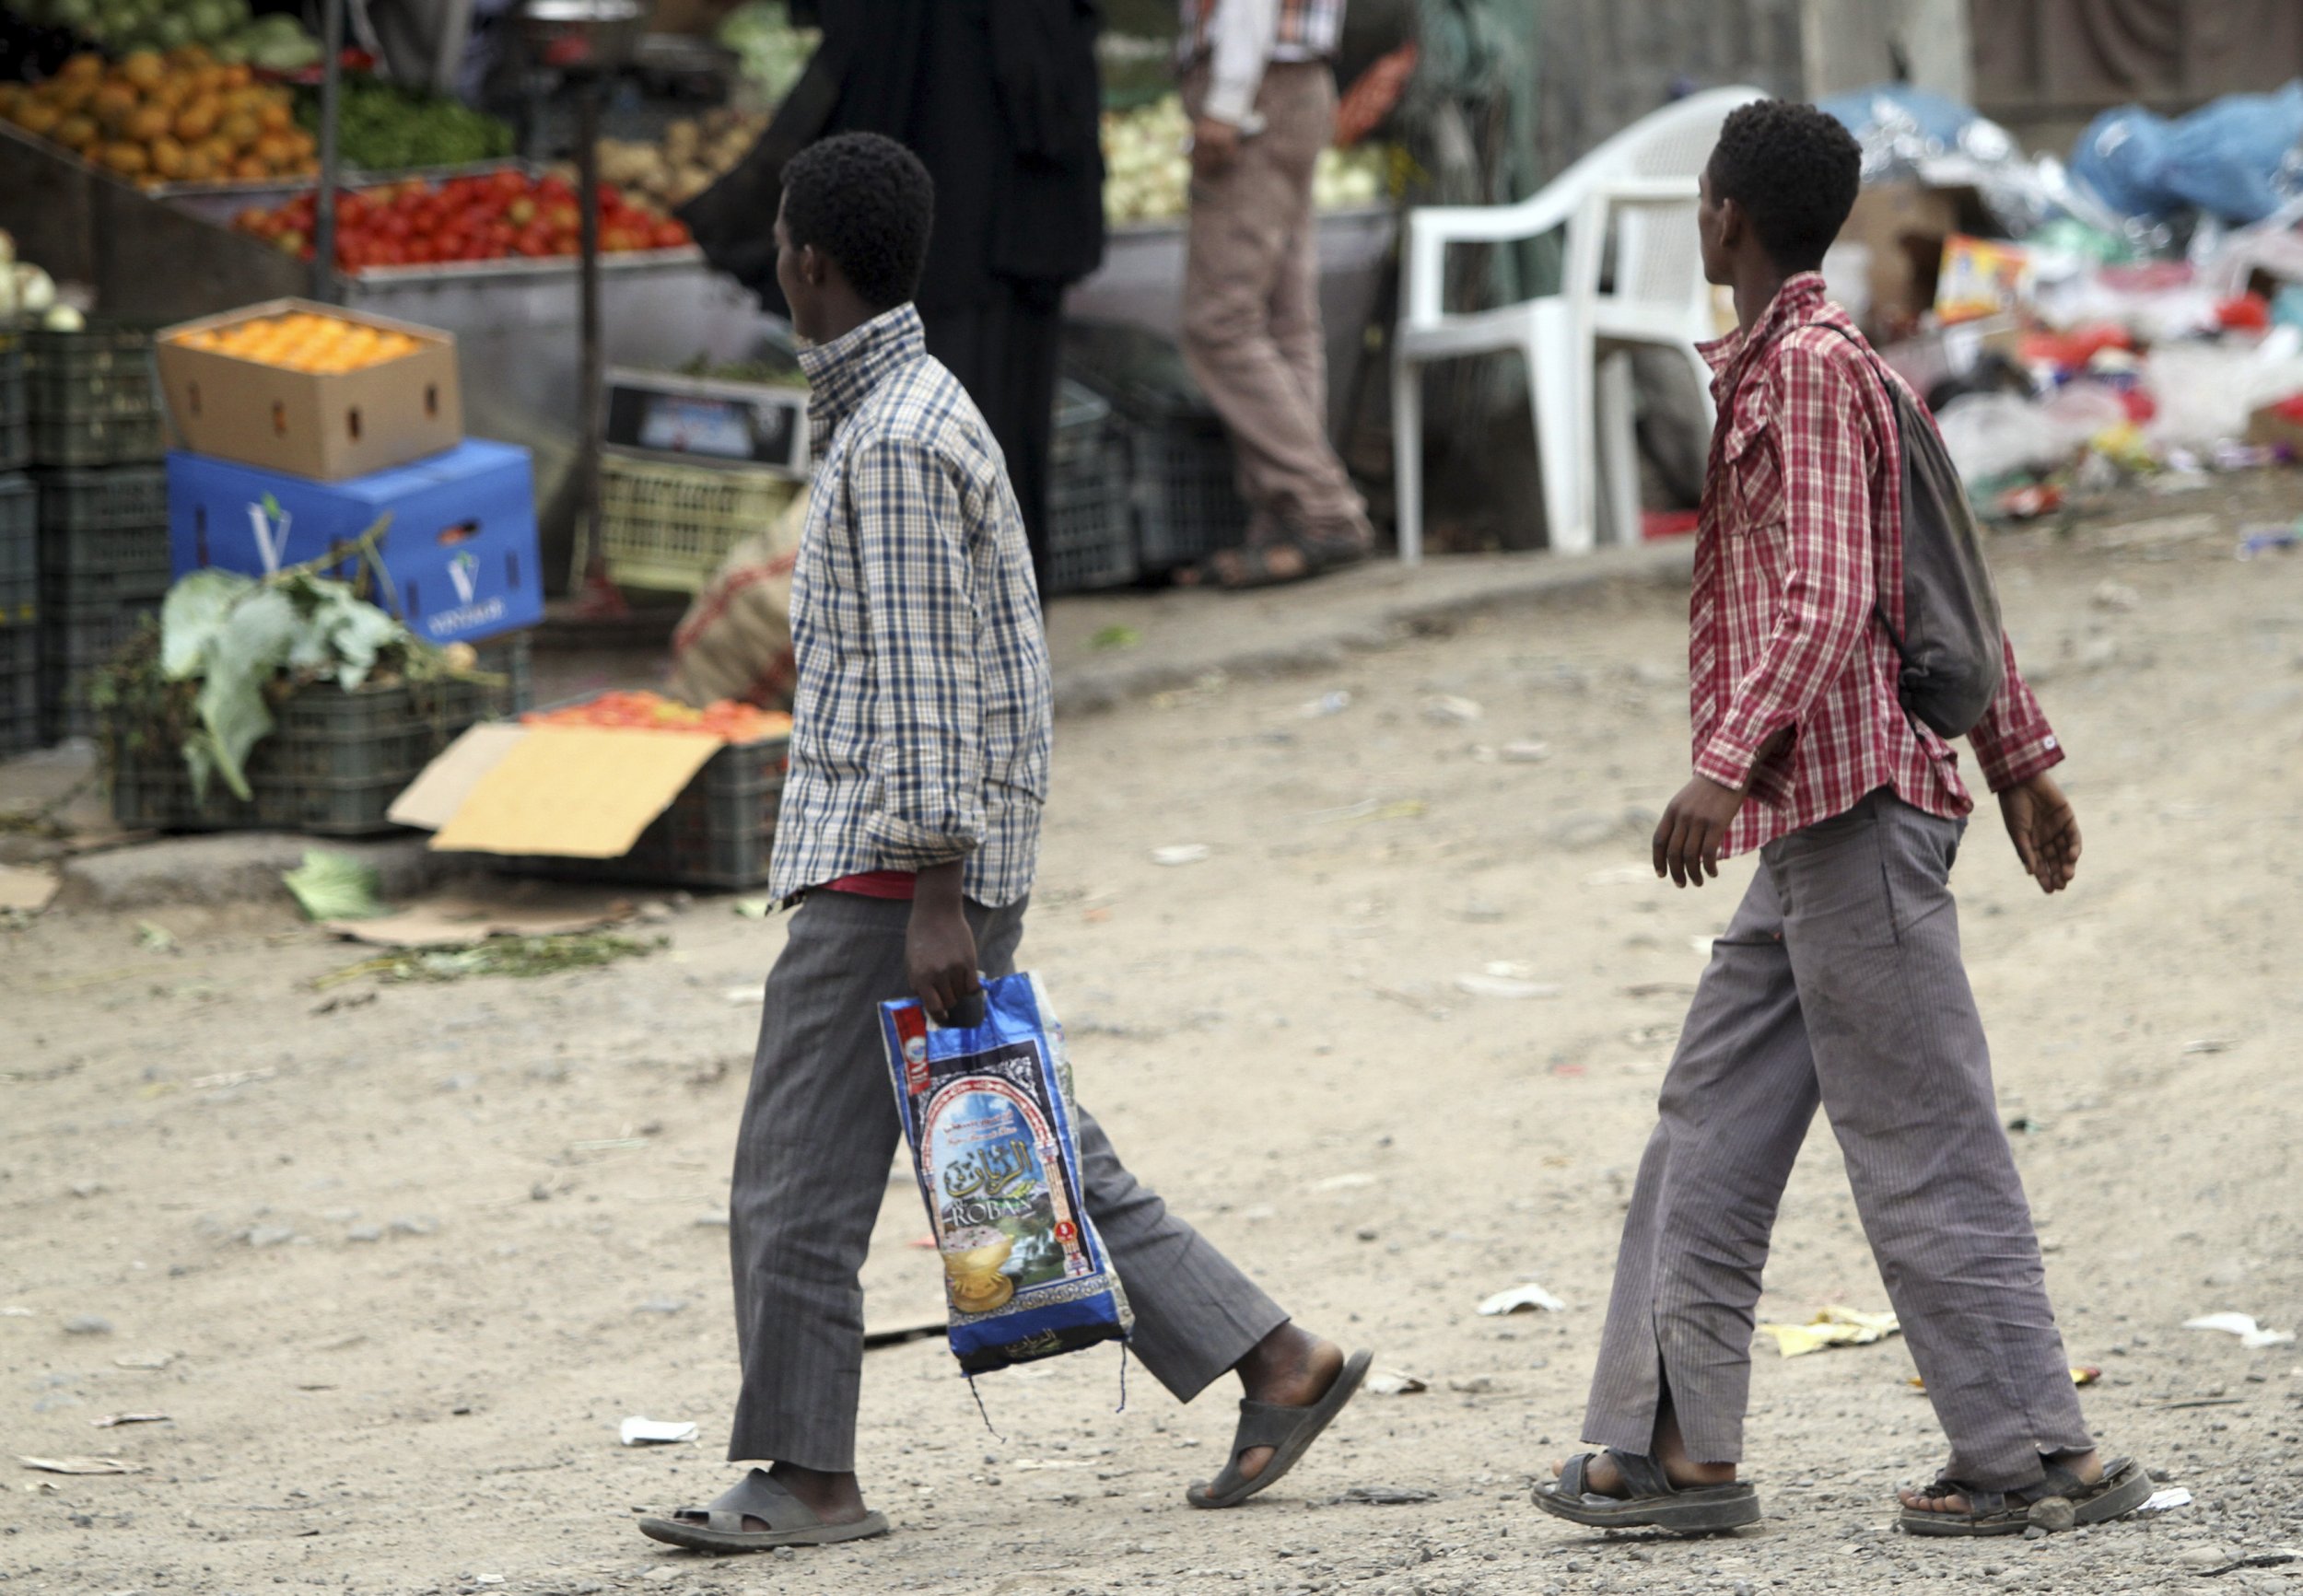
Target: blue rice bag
{"x": 987, "y": 1112}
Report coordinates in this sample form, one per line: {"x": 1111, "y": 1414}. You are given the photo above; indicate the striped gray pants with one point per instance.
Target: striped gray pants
{"x": 1839, "y": 983}
{"x": 818, "y": 1137}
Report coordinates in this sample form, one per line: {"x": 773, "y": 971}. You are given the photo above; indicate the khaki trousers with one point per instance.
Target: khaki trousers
{"x": 1251, "y": 310}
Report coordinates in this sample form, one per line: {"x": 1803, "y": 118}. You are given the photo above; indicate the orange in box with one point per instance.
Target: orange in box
{"x": 321, "y": 416}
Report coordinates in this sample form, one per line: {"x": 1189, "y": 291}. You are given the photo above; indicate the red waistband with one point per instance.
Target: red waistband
{"x": 895, "y": 885}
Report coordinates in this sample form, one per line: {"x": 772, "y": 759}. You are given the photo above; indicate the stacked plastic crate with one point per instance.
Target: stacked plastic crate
{"x": 103, "y": 561}
{"x": 19, "y": 561}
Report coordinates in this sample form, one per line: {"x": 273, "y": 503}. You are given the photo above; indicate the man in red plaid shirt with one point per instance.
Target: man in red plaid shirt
{"x": 1839, "y": 983}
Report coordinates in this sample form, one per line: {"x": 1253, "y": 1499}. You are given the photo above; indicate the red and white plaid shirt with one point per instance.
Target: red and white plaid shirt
{"x": 1799, "y": 540}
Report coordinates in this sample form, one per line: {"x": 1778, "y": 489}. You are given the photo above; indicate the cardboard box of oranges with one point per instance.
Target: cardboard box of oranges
{"x": 311, "y": 390}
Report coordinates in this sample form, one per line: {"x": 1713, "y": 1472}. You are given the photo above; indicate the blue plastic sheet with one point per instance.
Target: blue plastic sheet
{"x": 2239, "y": 159}
{"x": 988, "y": 1114}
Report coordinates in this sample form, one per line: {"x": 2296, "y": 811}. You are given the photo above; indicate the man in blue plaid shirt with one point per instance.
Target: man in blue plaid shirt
{"x": 908, "y": 836}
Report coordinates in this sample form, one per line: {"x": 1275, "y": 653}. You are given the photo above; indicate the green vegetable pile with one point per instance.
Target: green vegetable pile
{"x": 229, "y": 648}
{"x": 382, "y": 127}
{"x": 278, "y": 42}
{"x": 773, "y": 52}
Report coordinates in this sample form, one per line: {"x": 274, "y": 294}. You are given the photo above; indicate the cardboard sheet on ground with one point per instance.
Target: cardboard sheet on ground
{"x": 576, "y": 792}
{"x": 462, "y": 919}
{"x": 432, "y": 800}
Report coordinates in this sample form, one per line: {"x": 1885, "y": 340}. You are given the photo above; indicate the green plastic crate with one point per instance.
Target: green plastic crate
{"x": 93, "y": 396}
{"x": 1091, "y": 533}
{"x": 77, "y": 641}
{"x": 19, "y": 526}
{"x": 15, "y": 417}
{"x": 332, "y": 766}
{"x": 104, "y": 533}
{"x": 19, "y": 687}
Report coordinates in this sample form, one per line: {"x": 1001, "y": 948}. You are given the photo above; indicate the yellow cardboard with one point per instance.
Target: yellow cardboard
{"x": 432, "y": 800}
{"x": 577, "y": 792}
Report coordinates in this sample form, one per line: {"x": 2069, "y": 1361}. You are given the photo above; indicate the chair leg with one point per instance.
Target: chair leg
{"x": 1619, "y": 448}
{"x": 1559, "y": 445}
{"x": 1407, "y": 458}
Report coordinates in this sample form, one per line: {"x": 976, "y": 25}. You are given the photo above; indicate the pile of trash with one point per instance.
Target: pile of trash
{"x": 2137, "y": 311}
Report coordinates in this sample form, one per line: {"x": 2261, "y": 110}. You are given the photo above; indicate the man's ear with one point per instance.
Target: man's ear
{"x": 1732, "y": 222}
{"x": 812, "y": 264}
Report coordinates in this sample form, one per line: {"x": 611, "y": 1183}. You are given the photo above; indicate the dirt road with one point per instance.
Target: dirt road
{"x": 410, "y": 1252}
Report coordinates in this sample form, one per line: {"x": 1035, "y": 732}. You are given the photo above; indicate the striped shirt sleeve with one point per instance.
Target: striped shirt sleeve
{"x": 920, "y": 610}
{"x": 2012, "y": 743}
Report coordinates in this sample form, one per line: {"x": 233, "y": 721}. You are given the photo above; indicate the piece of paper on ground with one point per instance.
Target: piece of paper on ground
{"x": 25, "y": 890}
{"x": 1835, "y": 1326}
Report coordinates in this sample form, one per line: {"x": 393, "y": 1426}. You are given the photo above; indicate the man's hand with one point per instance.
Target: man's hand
{"x": 1688, "y": 838}
{"x": 1214, "y": 147}
{"x": 938, "y": 949}
{"x": 2045, "y": 832}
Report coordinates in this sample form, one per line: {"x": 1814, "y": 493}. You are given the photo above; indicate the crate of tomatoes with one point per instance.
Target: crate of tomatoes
{"x": 507, "y": 214}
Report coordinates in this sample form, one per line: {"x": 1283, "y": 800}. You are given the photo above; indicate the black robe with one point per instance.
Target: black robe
{"x": 1000, "y": 99}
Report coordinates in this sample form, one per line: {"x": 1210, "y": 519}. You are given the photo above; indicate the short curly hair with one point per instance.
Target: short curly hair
{"x": 1795, "y": 170}
{"x": 869, "y": 204}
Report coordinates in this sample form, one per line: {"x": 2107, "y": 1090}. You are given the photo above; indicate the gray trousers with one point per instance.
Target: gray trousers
{"x": 1839, "y": 981}
{"x": 818, "y": 1138}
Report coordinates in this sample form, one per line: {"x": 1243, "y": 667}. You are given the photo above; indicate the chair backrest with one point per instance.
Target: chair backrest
{"x": 1657, "y": 259}
{"x": 1673, "y": 141}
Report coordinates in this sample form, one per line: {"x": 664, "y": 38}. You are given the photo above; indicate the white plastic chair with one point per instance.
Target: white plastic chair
{"x": 1630, "y": 203}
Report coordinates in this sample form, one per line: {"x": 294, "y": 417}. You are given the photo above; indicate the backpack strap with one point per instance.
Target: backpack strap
{"x": 1887, "y": 386}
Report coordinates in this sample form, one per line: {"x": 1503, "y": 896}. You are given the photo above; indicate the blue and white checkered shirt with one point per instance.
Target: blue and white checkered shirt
{"x": 922, "y": 720}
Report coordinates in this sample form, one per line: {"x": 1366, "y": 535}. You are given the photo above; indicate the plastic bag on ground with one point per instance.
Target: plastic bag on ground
{"x": 988, "y": 1115}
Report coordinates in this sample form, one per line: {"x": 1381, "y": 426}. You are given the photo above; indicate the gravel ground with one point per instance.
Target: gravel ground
{"x": 409, "y": 1252}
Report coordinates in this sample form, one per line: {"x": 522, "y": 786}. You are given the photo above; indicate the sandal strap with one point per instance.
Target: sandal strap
{"x": 1265, "y": 1424}
{"x": 1570, "y": 1482}
{"x": 760, "y": 1496}
{"x": 1643, "y": 1476}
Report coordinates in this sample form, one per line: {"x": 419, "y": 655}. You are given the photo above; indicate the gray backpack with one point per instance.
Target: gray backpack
{"x": 1950, "y": 644}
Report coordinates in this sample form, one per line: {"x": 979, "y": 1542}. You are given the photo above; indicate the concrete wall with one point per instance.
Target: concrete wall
{"x": 1605, "y": 63}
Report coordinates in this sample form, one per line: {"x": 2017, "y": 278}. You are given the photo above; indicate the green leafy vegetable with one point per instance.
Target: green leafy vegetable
{"x": 337, "y": 887}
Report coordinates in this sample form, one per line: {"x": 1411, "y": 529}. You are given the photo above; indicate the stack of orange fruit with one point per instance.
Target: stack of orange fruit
{"x": 304, "y": 341}
{"x": 163, "y": 118}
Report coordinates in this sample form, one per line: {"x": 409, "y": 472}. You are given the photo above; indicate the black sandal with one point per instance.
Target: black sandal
{"x": 1253, "y": 565}
{"x": 2059, "y": 1501}
{"x": 1653, "y": 1502}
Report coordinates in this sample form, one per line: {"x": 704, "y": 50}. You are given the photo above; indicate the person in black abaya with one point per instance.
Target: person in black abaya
{"x": 1000, "y": 99}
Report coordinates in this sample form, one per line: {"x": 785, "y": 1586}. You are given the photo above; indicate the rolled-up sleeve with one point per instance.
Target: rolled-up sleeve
{"x": 2012, "y": 743}
{"x": 928, "y": 751}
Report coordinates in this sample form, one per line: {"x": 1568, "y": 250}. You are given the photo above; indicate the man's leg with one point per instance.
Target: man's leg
{"x": 1198, "y": 1315}
{"x": 1242, "y": 225}
{"x": 813, "y": 1154}
{"x": 1735, "y": 1107}
{"x": 1905, "y": 1075}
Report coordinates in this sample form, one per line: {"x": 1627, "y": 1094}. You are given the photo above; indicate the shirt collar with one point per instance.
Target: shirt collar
{"x": 1795, "y": 304}
{"x": 842, "y": 374}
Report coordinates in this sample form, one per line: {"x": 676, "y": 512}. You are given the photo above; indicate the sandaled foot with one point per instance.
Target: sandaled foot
{"x": 1614, "y": 1490}
{"x": 2077, "y": 1489}
{"x": 1272, "y": 564}
{"x": 1274, "y": 1434}
{"x": 759, "y": 1514}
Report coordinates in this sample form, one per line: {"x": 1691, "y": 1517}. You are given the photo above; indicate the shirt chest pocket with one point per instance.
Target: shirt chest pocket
{"x": 1754, "y": 467}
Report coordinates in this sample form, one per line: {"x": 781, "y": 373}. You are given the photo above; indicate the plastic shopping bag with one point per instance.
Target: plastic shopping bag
{"x": 986, "y": 1112}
